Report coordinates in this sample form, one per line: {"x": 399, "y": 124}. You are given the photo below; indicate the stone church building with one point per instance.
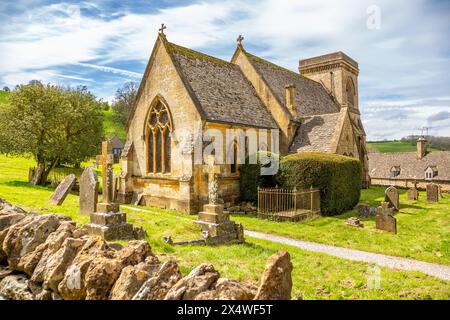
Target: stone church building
{"x": 314, "y": 110}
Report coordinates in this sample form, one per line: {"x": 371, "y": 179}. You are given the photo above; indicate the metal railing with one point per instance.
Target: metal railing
{"x": 288, "y": 205}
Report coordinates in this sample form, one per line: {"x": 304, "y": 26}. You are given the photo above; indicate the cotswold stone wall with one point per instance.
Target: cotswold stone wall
{"x": 47, "y": 257}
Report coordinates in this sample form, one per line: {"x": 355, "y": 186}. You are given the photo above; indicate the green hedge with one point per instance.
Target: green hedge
{"x": 337, "y": 177}
{"x": 251, "y": 179}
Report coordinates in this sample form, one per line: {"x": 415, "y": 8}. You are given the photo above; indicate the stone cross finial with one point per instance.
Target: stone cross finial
{"x": 213, "y": 185}
{"x": 161, "y": 30}
{"x": 107, "y": 162}
{"x": 239, "y": 40}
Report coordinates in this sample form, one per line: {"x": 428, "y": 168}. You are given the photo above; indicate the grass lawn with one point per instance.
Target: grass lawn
{"x": 393, "y": 146}
{"x": 315, "y": 275}
{"x": 112, "y": 127}
{"x": 3, "y": 96}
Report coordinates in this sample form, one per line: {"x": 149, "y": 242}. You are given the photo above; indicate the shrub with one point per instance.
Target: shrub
{"x": 337, "y": 177}
{"x": 251, "y": 178}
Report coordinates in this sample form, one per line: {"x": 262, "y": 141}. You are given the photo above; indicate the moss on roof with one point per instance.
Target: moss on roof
{"x": 261, "y": 60}
{"x": 192, "y": 54}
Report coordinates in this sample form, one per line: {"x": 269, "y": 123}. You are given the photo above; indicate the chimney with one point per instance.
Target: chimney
{"x": 290, "y": 99}
{"x": 421, "y": 147}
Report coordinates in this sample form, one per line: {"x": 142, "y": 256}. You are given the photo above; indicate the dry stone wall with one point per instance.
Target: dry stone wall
{"x": 48, "y": 257}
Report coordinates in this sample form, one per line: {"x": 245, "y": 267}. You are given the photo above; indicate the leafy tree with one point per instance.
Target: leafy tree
{"x": 51, "y": 123}
{"x": 123, "y": 102}
{"x": 6, "y": 89}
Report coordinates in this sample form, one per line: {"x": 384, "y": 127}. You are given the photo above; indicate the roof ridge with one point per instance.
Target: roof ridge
{"x": 262, "y": 60}
{"x": 190, "y": 53}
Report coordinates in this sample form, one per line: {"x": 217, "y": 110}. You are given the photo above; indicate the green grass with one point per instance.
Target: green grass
{"x": 112, "y": 127}
{"x": 3, "y": 97}
{"x": 315, "y": 275}
{"x": 393, "y": 146}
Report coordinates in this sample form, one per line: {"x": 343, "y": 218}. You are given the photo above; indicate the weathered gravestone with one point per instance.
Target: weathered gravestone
{"x": 136, "y": 198}
{"x": 385, "y": 219}
{"x": 366, "y": 211}
{"x": 88, "y": 191}
{"x": 413, "y": 193}
{"x": 354, "y": 222}
{"x": 391, "y": 197}
{"x": 432, "y": 193}
{"x": 62, "y": 190}
{"x": 108, "y": 222}
{"x": 215, "y": 224}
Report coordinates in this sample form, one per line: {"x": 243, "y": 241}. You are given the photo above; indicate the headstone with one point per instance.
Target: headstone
{"x": 366, "y": 211}
{"x": 215, "y": 224}
{"x": 385, "y": 219}
{"x": 354, "y": 222}
{"x": 136, "y": 198}
{"x": 62, "y": 190}
{"x": 108, "y": 222}
{"x": 88, "y": 191}
{"x": 413, "y": 193}
{"x": 391, "y": 197}
{"x": 432, "y": 193}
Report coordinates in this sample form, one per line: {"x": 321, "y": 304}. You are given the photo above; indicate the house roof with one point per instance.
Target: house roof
{"x": 380, "y": 164}
{"x": 116, "y": 142}
{"x": 220, "y": 88}
{"x": 316, "y": 133}
{"x": 311, "y": 98}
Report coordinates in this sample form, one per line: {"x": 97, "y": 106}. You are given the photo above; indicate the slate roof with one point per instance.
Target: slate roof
{"x": 223, "y": 92}
{"x": 116, "y": 142}
{"x": 311, "y": 98}
{"x": 411, "y": 167}
{"x": 316, "y": 133}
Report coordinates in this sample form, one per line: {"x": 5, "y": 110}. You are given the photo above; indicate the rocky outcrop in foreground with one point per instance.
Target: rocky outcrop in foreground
{"x": 47, "y": 257}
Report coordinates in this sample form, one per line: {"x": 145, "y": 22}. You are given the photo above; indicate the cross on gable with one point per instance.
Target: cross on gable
{"x": 161, "y": 30}
{"x": 239, "y": 39}
{"x": 211, "y": 168}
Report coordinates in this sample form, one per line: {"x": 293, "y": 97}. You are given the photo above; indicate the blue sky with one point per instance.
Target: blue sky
{"x": 404, "y": 60}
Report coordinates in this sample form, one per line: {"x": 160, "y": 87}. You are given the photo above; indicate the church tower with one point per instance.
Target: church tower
{"x": 338, "y": 73}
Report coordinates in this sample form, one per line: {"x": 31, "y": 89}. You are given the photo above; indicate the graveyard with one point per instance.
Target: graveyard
{"x": 422, "y": 234}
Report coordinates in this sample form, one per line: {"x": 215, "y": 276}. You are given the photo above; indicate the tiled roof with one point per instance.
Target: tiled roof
{"x": 316, "y": 133}
{"x": 411, "y": 167}
{"x": 311, "y": 98}
{"x": 116, "y": 142}
{"x": 223, "y": 92}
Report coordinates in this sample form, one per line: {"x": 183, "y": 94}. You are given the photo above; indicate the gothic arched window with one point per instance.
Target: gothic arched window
{"x": 350, "y": 93}
{"x": 234, "y": 165}
{"x": 158, "y": 138}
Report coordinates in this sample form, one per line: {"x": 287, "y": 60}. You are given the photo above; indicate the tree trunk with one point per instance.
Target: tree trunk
{"x": 41, "y": 173}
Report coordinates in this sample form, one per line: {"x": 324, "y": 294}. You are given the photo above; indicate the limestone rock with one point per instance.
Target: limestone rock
{"x": 72, "y": 286}
{"x": 100, "y": 277}
{"x": 15, "y": 287}
{"x": 40, "y": 257}
{"x": 51, "y": 271}
{"x": 157, "y": 286}
{"x": 4, "y": 272}
{"x": 134, "y": 252}
{"x": 25, "y": 236}
{"x": 132, "y": 278}
{"x": 6, "y": 207}
{"x": 199, "y": 279}
{"x": 276, "y": 281}
{"x": 232, "y": 290}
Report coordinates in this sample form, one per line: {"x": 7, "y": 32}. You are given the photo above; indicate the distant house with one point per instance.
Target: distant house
{"x": 402, "y": 169}
{"x": 117, "y": 147}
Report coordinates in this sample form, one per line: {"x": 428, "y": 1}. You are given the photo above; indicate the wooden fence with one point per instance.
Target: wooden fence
{"x": 288, "y": 205}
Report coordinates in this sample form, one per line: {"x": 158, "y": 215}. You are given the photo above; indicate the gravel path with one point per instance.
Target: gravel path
{"x": 433, "y": 269}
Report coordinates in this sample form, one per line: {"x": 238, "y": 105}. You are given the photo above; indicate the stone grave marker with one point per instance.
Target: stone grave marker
{"x": 432, "y": 193}
{"x": 108, "y": 222}
{"x": 413, "y": 193}
{"x": 366, "y": 211}
{"x": 136, "y": 198}
{"x": 115, "y": 185}
{"x": 88, "y": 191}
{"x": 215, "y": 224}
{"x": 385, "y": 219}
{"x": 391, "y": 197}
{"x": 60, "y": 193}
